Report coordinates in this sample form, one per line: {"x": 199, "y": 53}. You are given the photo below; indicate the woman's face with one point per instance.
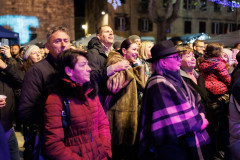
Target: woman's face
{"x": 131, "y": 53}
{"x": 148, "y": 50}
{"x": 81, "y": 71}
{"x": 188, "y": 61}
{"x": 35, "y": 55}
{"x": 172, "y": 62}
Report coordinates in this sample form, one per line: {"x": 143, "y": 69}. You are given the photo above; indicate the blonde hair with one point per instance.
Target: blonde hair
{"x": 143, "y": 49}
{"x": 185, "y": 49}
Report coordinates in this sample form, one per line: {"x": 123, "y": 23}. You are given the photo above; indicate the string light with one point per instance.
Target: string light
{"x": 115, "y": 3}
{"x": 225, "y": 3}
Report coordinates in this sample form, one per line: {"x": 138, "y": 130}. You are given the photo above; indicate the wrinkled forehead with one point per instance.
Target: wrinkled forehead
{"x": 106, "y": 29}
{"x": 200, "y": 44}
{"x": 59, "y": 35}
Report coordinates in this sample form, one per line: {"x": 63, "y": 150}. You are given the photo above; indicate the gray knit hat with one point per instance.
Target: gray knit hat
{"x": 27, "y": 51}
{"x": 132, "y": 38}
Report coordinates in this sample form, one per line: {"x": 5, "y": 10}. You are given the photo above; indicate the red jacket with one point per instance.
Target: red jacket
{"x": 215, "y": 74}
{"x": 89, "y": 134}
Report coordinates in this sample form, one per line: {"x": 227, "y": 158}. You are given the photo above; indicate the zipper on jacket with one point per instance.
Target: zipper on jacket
{"x": 91, "y": 137}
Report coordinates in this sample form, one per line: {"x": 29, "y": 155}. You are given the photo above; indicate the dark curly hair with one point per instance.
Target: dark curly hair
{"x": 213, "y": 50}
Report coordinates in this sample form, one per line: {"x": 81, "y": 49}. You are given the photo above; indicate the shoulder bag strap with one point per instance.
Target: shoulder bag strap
{"x": 66, "y": 121}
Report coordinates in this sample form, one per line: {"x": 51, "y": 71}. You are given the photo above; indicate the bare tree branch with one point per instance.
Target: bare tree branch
{"x": 168, "y": 9}
{"x": 174, "y": 15}
{"x": 152, "y": 10}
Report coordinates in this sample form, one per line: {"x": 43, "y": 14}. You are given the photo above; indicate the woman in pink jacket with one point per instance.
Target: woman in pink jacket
{"x": 88, "y": 135}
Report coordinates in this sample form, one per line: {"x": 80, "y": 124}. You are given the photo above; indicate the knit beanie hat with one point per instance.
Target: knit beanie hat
{"x": 27, "y": 51}
{"x": 132, "y": 38}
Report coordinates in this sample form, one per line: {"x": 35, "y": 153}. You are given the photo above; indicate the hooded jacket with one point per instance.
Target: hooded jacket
{"x": 215, "y": 74}
{"x": 88, "y": 136}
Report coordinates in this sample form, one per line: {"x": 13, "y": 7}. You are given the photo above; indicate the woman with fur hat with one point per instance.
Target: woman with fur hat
{"x": 173, "y": 123}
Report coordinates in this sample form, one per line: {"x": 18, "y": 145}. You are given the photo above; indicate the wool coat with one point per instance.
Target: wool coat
{"x": 169, "y": 112}
{"x": 88, "y": 136}
{"x": 121, "y": 104}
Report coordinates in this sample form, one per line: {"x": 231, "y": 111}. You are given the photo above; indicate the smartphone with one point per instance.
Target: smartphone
{"x": 4, "y": 42}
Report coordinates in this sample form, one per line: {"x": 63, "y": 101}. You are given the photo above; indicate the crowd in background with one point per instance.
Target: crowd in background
{"x": 127, "y": 100}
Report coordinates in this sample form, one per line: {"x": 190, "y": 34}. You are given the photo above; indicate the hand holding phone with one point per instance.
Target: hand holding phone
{"x": 6, "y": 51}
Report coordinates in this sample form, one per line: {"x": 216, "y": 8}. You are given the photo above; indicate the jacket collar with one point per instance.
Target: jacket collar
{"x": 184, "y": 74}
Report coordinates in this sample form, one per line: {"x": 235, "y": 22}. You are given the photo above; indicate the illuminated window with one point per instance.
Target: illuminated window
{"x": 215, "y": 28}
{"x": 188, "y": 4}
{"x": 144, "y": 25}
{"x": 122, "y": 23}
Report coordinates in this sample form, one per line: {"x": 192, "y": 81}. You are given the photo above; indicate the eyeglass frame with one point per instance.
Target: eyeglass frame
{"x": 200, "y": 47}
{"x": 177, "y": 57}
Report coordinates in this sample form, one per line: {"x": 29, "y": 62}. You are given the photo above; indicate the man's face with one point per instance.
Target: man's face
{"x": 58, "y": 42}
{"x": 106, "y": 36}
{"x": 15, "y": 50}
{"x": 199, "y": 47}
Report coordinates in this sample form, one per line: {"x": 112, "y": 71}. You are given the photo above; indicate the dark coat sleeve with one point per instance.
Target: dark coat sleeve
{"x": 15, "y": 74}
{"x": 98, "y": 66}
{"x": 30, "y": 99}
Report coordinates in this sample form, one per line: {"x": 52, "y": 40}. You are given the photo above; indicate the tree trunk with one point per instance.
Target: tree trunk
{"x": 163, "y": 22}
{"x": 161, "y": 31}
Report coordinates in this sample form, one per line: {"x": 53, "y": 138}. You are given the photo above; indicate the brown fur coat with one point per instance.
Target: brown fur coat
{"x": 121, "y": 104}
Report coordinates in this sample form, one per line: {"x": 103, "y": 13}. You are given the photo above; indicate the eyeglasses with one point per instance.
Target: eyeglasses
{"x": 200, "y": 46}
{"x": 177, "y": 57}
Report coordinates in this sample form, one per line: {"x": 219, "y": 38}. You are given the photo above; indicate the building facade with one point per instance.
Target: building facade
{"x": 194, "y": 16}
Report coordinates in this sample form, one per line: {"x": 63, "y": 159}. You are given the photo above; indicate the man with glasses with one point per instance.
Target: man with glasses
{"x": 199, "y": 48}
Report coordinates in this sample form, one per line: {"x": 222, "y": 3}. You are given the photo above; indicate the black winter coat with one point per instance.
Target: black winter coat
{"x": 35, "y": 90}
{"x": 7, "y": 84}
{"x": 97, "y": 60}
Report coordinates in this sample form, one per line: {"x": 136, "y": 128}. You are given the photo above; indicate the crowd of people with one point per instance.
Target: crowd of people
{"x": 127, "y": 100}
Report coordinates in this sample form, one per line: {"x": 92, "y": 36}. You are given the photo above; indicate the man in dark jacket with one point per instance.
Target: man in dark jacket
{"x": 7, "y": 85}
{"x": 34, "y": 90}
{"x": 198, "y": 48}
{"x": 98, "y": 49}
